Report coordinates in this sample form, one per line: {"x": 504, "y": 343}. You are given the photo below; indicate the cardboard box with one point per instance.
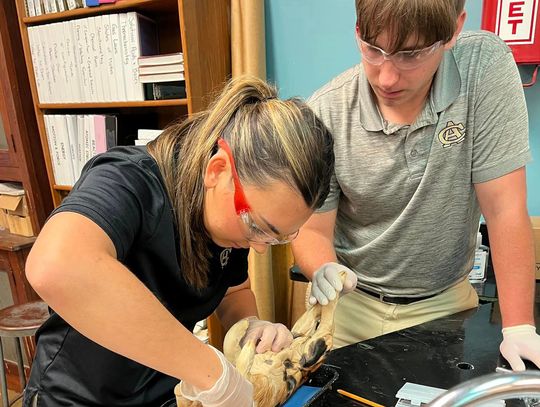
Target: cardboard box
{"x": 536, "y": 234}
{"x": 14, "y": 204}
{"x": 3, "y": 220}
{"x": 20, "y": 225}
{"x": 14, "y": 214}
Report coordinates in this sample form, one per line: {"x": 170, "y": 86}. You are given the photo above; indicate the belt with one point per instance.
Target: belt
{"x": 393, "y": 299}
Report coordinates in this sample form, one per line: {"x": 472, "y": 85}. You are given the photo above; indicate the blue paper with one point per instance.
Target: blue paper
{"x": 302, "y": 396}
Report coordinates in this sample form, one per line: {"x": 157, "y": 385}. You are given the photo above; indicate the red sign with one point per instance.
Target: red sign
{"x": 516, "y": 22}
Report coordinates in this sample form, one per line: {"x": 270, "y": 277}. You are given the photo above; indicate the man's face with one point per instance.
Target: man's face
{"x": 396, "y": 87}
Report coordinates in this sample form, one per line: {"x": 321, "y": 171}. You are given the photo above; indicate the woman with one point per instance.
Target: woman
{"x": 152, "y": 240}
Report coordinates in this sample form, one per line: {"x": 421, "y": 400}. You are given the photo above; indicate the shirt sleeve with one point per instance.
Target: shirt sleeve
{"x": 116, "y": 194}
{"x": 501, "y": 142}
{"x": 320, "y": 106}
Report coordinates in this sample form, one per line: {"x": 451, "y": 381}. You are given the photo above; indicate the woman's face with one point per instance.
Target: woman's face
{"x": 277, "y": 210}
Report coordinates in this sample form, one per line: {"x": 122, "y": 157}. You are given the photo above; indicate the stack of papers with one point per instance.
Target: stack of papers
{"x": 11, "y": 188}
{"x": 478, "y": 272}
{"x": 414, "y": 395}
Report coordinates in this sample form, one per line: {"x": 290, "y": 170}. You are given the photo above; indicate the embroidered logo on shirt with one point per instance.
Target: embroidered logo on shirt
{"x": 452, "y": 134}
{"x": 224, "y": 257}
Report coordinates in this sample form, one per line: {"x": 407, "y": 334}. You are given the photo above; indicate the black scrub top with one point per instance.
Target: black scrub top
{"x": 122, "y": 191}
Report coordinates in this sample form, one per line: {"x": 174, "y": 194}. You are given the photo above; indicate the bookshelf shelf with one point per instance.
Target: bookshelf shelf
{"x": 153, "y": 6}
{"x": 112, "y": 105}
{"x": 62, "y": 187}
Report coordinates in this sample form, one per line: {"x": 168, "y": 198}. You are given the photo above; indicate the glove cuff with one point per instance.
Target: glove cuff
{"x": 193, "y": 393}
{"x": 518, "y": 329}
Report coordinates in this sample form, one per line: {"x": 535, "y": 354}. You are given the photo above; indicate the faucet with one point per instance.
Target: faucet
{"x": 495, "y": 386}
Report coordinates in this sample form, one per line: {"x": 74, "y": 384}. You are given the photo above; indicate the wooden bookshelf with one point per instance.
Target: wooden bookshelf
{"x": 112, "y": 105}
{"x": 198, "y": 28}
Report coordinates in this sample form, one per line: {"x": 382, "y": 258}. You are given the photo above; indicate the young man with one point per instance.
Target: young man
{"x": 430, "y": 131}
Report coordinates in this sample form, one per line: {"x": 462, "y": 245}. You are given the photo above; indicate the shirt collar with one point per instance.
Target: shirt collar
{"x": 446, "y": 84}
{"x": 370, "y": 116}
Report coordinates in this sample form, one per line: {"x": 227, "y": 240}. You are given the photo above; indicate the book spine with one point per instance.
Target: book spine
{"x": 124, "y": 41}
{"x": 102, "y": 58}
{"x": 99, "y": 133}
{"x": 163, "y": 77}
{"x": 163, "y": 59}
{"x": 67, "y": 94}
{"x": 92, "y": 135}
{"x": 108, "y": 57}
{"x": 93, "y": 24}
{"x": 78, "y": 38}
{"x": 142, "y": 41}
{"x": 50, "y": 131}
{"x": 158, "y": 69}
{"x": 66, "y": 161}
{"x": 30, "y": 8}
{"x": 39, "y": 8}
{"x": 52, "y": 6}
{"x": 111, "y": 131}
{"x": 72, "y": 4}
{"x": 34, "y": 53}
{"x": 80, "y": 143}
{"x": 61, "y": 5}
{"x": 71, "y": 124}
{"x": 46, "y": 6}
{"x": 72, "y": 70}
{"x": 56, "y": 63}
{"x": 148, "y": 91}
{"x": 117, "y": 57}
{"x": 169, "y": 90}
{"x": 52, "y": 66}
{"x": 44, "y": 67}
{"x": 134, "y": 51}
{"x": 87, "y": 149}
{"x": 26, "y": 11}
{"x": 89, "y": 74}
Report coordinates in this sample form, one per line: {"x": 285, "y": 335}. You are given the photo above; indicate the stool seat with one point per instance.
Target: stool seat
{"x": 19, "y": 321}
{"x": 23, "y": 319}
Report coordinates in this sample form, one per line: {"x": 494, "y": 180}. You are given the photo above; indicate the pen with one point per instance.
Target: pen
{"x": 358, "y": 398}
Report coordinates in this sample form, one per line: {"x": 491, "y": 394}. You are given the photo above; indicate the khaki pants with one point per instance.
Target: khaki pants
{"x": 360, "y": 316}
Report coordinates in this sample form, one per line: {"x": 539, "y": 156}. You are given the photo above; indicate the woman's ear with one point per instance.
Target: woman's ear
{"x": 459, "y": 26}
{"x": 217, "y": 166}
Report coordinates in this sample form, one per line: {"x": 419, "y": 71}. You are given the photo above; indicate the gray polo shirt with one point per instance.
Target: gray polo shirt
{"x": 407, "y": 209}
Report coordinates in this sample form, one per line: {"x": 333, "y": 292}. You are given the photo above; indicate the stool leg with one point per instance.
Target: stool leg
{"x": 20, "y": 364}
{"x": 3, "y": 382}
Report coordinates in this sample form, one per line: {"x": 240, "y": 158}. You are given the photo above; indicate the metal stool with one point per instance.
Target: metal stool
{"x": 19, "y": 321}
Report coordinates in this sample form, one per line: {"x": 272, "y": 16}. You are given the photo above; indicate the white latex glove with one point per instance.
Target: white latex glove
{"x": 271, "y": 336}
{"x": 230, "y": 390}
{"x": 520, "y": 342}
{"x": 326, "y": 283}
